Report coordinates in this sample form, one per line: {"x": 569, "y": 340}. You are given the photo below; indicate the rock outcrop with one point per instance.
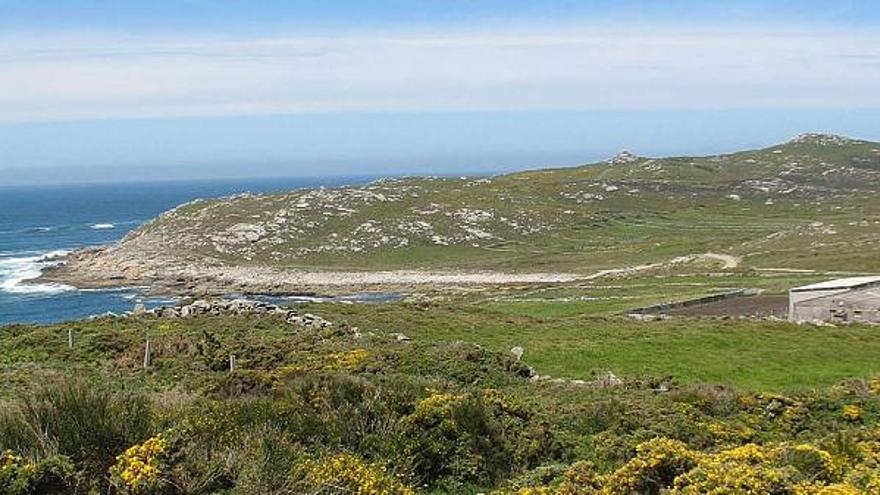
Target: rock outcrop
{"x": 236, "y": 307}
{"x": 822, "y": 139}
{"x": 624, "y": 157}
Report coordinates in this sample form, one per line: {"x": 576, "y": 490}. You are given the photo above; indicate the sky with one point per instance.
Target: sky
{"x": 125, "y": 90}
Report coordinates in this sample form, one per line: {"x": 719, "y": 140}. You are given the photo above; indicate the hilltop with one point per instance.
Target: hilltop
{"x": 790, "y": 206}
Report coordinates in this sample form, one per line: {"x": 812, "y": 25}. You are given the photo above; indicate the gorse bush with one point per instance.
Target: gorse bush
{"x": 18, "y": 476}
{"x": 346, "y": 473}
{"x": 140, "y": 468}
{"x": 663, "y": 466}
{"x": 656, "y": 465}
{"x": 480, "y": 437}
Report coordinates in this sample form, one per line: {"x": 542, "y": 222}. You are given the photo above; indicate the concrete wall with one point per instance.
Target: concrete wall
{"x": 843, "y": 307}
{"x": 796, "y": 298}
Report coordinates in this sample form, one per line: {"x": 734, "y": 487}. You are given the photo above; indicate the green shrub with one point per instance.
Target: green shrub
{"x": 478, "y": 438}
{"x": 54, "y": 475}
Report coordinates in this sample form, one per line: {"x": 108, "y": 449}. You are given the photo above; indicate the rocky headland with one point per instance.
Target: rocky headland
{"x": 814, "y": 193}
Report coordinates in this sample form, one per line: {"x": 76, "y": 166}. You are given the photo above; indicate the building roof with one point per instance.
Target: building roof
{"x": 840, "y": 283}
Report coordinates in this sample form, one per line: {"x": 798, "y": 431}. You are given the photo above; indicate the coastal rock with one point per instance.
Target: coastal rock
{"x": 242, "y": 233}
{"x": 237, "y": 307}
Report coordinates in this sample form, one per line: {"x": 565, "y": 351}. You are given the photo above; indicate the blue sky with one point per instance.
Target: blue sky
{"x": 320, "y": 15}
{"x": 124, "y": 89}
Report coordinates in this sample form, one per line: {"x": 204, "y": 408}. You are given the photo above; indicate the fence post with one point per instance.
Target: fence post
{"x": 231, "y": 363}
{"x": 70, "y": 338}
{"x": 148, "y": 355}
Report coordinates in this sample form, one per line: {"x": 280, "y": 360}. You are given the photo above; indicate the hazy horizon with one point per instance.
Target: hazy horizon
{"x": 134, "y": 91}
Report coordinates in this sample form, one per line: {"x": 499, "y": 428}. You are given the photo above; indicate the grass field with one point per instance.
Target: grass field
{"x": 756, "y": 355}
{"x": 575, "y": 331}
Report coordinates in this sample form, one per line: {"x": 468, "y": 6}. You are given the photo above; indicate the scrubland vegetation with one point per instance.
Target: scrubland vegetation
{"x": 355, "y": 408}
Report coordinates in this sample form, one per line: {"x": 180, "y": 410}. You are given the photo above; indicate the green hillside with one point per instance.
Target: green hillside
{"x": 811, "y": 203}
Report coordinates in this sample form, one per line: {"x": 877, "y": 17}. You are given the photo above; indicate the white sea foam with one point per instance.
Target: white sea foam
{"x": 100, "y": 226}
{"x": 27, "y": 266}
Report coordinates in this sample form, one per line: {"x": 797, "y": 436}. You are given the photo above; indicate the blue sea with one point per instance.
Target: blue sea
{"x": 40, "y": 222}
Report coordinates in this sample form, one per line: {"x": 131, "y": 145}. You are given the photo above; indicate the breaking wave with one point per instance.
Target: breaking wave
{"x": 17, "y": 268}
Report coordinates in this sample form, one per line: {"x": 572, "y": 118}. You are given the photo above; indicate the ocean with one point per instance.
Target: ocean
{"x": 39, "y": 222}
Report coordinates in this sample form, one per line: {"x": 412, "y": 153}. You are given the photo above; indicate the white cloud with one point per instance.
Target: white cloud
{"x": 58, "y": 76}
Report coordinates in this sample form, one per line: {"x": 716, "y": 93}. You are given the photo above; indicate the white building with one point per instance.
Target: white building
{"x": 854, "y": 299}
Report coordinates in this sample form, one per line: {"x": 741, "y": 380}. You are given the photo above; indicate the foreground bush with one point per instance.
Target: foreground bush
{"x": 670, "y": 467}
{"x": 139, "y": 468}
{"x": 55, "y": 475}
{"x": 347, "y": 474}
{"x": 87, "y": 424}
{"x": 480, "y": 438}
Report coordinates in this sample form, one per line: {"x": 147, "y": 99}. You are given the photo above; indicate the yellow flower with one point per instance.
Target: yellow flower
{"x": 852, "y": 412}
{"x": 137, "y": 470}
{"x": 347, "y": 473}
{"x": 874, "y": 385}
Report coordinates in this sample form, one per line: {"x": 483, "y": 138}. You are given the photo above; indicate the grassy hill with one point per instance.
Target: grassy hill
{"x": 811, "y": 203}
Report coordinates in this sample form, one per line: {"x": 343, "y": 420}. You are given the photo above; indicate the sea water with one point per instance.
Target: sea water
{"x": 39, "y": 223}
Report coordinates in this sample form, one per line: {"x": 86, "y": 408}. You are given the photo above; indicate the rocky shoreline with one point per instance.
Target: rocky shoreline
{"x": 109, "y": 267}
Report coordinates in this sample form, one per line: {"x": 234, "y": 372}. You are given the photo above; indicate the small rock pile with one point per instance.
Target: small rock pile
{"x": 623, "y": 157}
{"x": 236, "y": 307}
{"x": 604, "y": 380}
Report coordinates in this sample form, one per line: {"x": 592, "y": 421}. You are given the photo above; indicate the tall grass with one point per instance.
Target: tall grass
{"x": 90, "y": 424}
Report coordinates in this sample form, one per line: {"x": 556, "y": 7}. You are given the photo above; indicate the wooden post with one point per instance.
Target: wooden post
{"x": 231, "y": 363}
{"x": 70, "y": 338}
{"x": 148, "y": 355}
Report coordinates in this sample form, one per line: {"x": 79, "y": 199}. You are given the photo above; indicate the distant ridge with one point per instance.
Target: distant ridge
{"x": 812, "y": 203}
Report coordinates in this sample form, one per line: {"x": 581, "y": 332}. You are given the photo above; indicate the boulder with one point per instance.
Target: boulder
{"x": 608, "y": 380}
{"x": 517, "y": 353}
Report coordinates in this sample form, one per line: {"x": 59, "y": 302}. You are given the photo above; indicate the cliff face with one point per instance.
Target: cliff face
{"x": 803, "y": 197}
